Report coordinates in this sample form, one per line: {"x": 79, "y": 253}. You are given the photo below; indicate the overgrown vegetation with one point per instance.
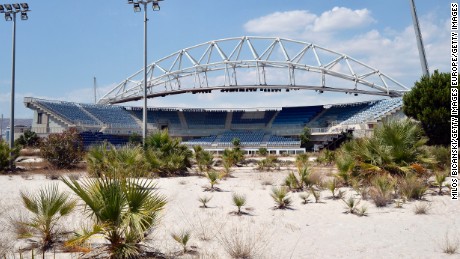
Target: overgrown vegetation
{"x": 47, "y": 206}
{"x": 123, "y": 211}
{"x": 7, "y": 155}
{"x": 63, "y": 150}
{"x": 204, "y": 159}
{"x": 166, "y": 156}
{"x": 281, "y": 197}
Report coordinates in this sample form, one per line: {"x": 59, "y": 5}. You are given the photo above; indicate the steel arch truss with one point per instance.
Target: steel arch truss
{"x": 251, "y": 63}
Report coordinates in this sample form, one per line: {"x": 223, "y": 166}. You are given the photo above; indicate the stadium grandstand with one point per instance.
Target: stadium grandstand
{"x": 276, "y": 129}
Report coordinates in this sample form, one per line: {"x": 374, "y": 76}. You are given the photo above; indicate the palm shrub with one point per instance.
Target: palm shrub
{"x": 204, "y": 159}
{"x": 301, "y": 161}
{"x": 204, "y": 201}
{"x": 47, "y": 206}
{"x": 28, "y": 139}
{"x": 182, "y": 238}
{"x": 304, "y": 196}
{"x": 394, "y": 146}
{"x": 7, "y": 155}
{"x": 213, "y": 177}
{"x": 63, "y": 150}
{"x": 351, "y": 205}
{"x": 281, "y": 198}
{"x": 439, "y": 179}
{"x": 97, "y": 159}
{"x": 292, "y": 182}
{"x": 127, "y": 161}
{"x": 345, "y": 164}
{"x": 412, "y": 187}
{"x": 167, "y": 156}
{"x": 316, "y": 194}
{"x": 239, "y": 200}
{"x": 332, "y": 186}
{"x": 381, "y": 189}
{"x": 441, "y": 155}
{"x": 124, "y": 210}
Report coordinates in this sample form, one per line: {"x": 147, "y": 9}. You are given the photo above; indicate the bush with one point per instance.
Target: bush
{"x": 28, "y": 139}
{"x": 263, "y": 151}
{"x": 167, "y": 156}
{"x": 204, "y": 159}
{"x": 281, "y": 198}
{"x": 411, "y": 187}
{"x": 421, "y": 208}
{"x": 381, "y": 190}
{"x": 62, "y": 150}
{"x": 5, "y": 155}
{"x": 239, "y": 200}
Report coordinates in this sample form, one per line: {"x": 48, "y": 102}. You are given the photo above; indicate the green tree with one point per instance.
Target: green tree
{"x": 124, "y": 210}
{"x": 305, "y": 138}
{"x": 28, "y": 139}
{"x": 428, "y": 102}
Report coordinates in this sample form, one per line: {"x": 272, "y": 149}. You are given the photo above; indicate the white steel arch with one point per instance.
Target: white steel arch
{"x": 250, "y": 63}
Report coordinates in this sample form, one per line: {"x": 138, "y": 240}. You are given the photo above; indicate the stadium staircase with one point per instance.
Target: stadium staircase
{"x": 270, "y": 123}
{"x": 228, "y": 120}
{"x": 183, "y": 121}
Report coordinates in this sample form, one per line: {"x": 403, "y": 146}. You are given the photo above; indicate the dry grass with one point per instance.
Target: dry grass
{"x": 241, "y": 241}
{"x": 450, "y": 246}
{"x": 421, "y": 208}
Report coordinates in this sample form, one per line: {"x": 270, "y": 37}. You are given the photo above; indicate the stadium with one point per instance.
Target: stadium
{"x": 245, "y": 64}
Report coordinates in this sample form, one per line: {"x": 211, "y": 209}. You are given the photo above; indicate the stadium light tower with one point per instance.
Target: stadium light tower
{"x": 137, "y": 8}
{"x": 418, "y": 36}
{"x": 10, "y": 11}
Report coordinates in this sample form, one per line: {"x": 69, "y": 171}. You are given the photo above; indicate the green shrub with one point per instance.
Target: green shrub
{"x": 63, "y": 150}
{"x": 281, "y": 198}
{"x": 47, "y": 207}
{"x": 166, "y": 156}
{"x": 127, "y": 161}
{"x": 239, "y": 200}
{"x": 204, "y": 159}
{"x": 28, "y": 139}
{"x": 5, "y": 155}
{"x": 263, "y": 151}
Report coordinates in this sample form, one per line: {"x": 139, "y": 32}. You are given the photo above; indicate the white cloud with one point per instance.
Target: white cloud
{"x": 342, "y": 18}
{"x": 392, "y": 51}
{"x": 291, "y": 21}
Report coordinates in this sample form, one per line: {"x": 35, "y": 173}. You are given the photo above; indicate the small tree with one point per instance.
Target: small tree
{"x": 28, "y": 139}
{"x": 428, "y": 102}
{"x": 305, "y": 138}
{"x": 63, "y": 150}
{"x": 7, "y": 155}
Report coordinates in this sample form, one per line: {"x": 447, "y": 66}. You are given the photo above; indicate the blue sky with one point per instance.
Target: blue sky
{"x": 65, "y": 43}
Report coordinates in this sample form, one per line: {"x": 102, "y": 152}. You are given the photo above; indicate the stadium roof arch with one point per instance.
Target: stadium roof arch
{"x": 246, "y": 64}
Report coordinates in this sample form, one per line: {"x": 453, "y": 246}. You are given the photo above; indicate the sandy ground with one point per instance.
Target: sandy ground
{"x": 314, "y": 230}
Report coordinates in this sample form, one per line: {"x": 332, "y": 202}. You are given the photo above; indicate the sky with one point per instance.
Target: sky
{"x": 64, "y": 44}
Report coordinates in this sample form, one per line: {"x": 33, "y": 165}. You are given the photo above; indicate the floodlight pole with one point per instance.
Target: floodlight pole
{"x": 13, "y": 82}
{"x": 144, "y": 112}
{"x": 418, "y": 36}
{"x": 156, "y": 7}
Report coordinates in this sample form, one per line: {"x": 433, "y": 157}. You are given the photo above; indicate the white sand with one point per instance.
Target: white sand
{"x": 319, "y": 230}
